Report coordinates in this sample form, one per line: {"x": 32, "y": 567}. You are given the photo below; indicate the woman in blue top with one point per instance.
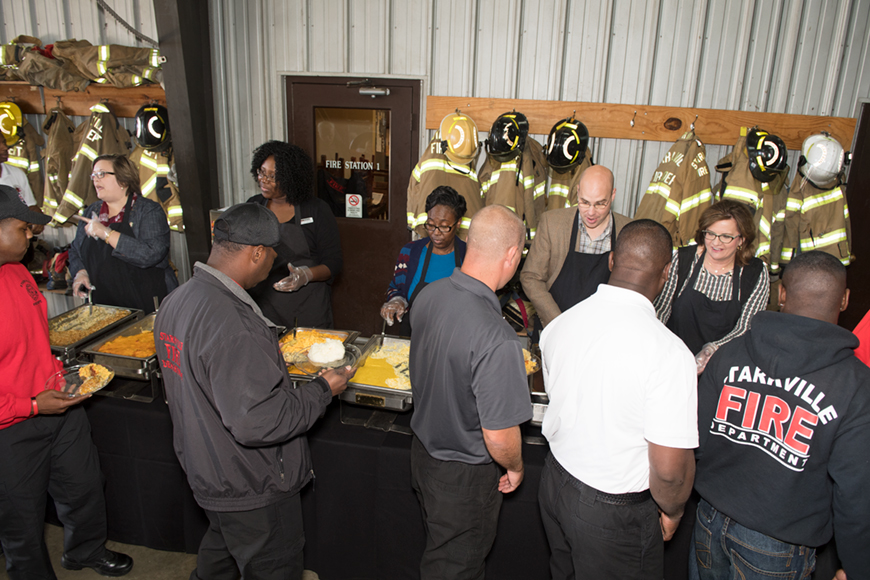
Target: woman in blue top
{"x": 427, "y": 259}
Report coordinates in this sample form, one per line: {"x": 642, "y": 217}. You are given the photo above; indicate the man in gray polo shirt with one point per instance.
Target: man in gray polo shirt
{"x": 470, "y": 395}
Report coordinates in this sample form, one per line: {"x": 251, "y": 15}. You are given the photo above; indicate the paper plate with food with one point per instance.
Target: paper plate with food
{"x": 81, "y": 380}
{"x": 532, "y": 362}
{"x": 329, "y": 354}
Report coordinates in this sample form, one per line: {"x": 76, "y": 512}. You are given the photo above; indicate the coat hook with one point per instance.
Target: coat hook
{"x": 692, "y": 126}
{"x": 59, "y": 102}
{"x": 633, "y": 118}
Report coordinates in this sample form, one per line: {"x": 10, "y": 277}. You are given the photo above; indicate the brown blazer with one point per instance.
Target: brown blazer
{"x": 546, "y": 256}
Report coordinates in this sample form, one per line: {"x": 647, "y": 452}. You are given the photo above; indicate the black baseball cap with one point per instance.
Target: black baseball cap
{"x": 12, "y": 206}
{"x": 249, "y": 224}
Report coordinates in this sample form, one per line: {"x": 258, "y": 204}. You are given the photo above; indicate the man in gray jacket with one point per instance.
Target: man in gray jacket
{"x": 239, "y": 425}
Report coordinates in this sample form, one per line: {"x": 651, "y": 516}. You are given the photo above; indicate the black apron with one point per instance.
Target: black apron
{"x": 581, "y": 273}
{"x": 698, "y": 320}
{"x": 405, "y": 323}
{"x": 118, "y": 283}
{"x": 311, "y": 305}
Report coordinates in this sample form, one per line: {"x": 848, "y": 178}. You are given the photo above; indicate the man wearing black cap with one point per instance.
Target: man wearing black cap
{"x": 45, "y": 442}
{"x": 239, "y": 425}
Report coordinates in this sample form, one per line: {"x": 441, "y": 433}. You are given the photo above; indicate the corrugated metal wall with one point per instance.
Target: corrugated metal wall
{"x": 789, "y": 56}
{"x": 53, "y": 20}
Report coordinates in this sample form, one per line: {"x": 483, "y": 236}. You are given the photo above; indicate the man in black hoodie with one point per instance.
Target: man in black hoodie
{"x": 784, "y": 421}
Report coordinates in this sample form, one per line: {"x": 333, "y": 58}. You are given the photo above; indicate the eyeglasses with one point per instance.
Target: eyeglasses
{"x": 723, "y": 238}
{"x": 443, "y": 229}
{"x": 597, "y": 205}
{"x": 263, "y": 176}
{"x": 101, "y": 174}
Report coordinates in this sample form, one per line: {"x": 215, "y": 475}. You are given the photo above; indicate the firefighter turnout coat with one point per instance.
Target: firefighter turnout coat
{"x": 679, "y": 191}
{"x": 102, "y": 135}
{"x": 433, "y": 170}
{"x": 58, "y": 156}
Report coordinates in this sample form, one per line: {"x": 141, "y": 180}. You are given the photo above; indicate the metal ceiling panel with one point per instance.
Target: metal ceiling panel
{"x": 288, "y": 33}
{"x": 817, "y": 58}
{"x": 454, "y": 34}
{"x": 368, "y": 36}
{"x": 410, "y": 35}
{"x": 541, "y": 50}
{"x": 586, "y": 53}
{"x": 327, "y": 35}
{"x": 855, "y": 70}
{"x": 677, "y": 53}
{"x": 498, "y": 42}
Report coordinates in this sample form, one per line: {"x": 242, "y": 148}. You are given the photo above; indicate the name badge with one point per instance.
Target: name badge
{"x": 308, "y": 220}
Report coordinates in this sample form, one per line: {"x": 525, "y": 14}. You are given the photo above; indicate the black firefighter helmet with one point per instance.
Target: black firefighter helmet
{"x": 507, "y": 137}
{"x": 767, "y": 154}
{"x": 152, "y": 127}
{"x": 566, "y": 144}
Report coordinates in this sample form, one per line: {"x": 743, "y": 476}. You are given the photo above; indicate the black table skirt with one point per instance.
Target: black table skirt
{"x": 362, "y": 519}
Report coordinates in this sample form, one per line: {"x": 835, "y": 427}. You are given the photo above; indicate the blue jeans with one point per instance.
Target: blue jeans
{"x": 725, "y": 550}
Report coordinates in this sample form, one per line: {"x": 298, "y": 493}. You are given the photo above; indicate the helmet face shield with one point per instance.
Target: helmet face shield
{"x": 507, "y": 137}
{"x": 458, "y": 134}
{"x": 767, "y": 155}
{"x": 11, "y": 122}
{"x": 566, "y": 145}
{"x": 152, "y": 126}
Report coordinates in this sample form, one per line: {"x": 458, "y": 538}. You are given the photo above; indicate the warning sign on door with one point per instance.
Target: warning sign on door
{"x": 353, "y": 205}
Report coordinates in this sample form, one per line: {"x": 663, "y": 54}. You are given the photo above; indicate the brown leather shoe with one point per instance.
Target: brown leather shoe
{"x": 108, "y": 564}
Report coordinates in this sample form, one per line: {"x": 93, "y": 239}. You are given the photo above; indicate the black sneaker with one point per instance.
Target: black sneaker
{"x": 108, "y": 564}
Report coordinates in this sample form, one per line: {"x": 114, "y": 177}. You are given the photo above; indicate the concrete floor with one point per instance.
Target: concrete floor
{"x": 147, "y": 564}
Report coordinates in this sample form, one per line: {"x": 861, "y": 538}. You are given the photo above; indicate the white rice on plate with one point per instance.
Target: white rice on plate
{"x": 328, "y": 351}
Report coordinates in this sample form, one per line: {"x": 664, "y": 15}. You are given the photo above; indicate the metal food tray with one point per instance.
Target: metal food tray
{"x": 68, "y": 353}
{"x": 376, "y": 396}
{"x": 130, "y": 367}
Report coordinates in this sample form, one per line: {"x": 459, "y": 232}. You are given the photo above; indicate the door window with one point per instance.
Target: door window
{"x": 352, "y": 151}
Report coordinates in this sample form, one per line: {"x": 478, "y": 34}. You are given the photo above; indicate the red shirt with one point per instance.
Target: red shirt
{"x": 26, "y": 361}
{"x": 862, "y": 331}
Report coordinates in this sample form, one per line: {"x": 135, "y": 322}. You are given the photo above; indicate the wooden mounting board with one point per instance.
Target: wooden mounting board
{"x": 39, "y": 100}
{"x": 651, "y": 123}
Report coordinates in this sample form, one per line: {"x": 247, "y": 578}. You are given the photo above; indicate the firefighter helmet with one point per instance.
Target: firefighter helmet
{"x": 767, "y": 154}
{"x": 566, "y": 144}
{"x": 822, "y": 158}
{"x": 11, "y": 121}
{"x": 152, "y": 127}
{"x": 507, "y": 137}
{"x": 458, "y": 135}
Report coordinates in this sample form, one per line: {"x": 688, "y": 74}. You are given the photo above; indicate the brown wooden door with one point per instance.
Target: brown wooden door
{"x": 352, "y": 137}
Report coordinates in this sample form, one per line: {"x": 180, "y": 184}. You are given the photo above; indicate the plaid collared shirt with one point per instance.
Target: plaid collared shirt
{"x": 601, "y": 245}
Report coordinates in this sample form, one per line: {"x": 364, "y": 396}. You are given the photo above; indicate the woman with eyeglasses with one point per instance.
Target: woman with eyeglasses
{"x": 121, "y": 248}
{"x": 299, "y": 286}
{"x": 426, "y": 260}
{"x": 715, "y": 288}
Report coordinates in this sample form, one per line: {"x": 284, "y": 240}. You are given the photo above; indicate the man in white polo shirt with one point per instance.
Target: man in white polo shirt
{"x": 621, "y": 422}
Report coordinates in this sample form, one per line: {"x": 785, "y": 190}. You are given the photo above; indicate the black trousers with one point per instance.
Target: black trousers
{"x": 460, "y": 504}
{"x": 260, "y": 544}
{"x": 592, "y": 539}
{"x": 52, "y": 453}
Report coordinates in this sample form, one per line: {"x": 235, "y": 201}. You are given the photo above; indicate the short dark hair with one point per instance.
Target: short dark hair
{"x": 729, "y": 209}
{"x": 294, "y": 171}
{"x": 228, "y": 247}
{"x": 126, "y": 172}
{"x": 448, "y": 197}
{"x": 644, "y": 239}
{"x": 808, "y": 265}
